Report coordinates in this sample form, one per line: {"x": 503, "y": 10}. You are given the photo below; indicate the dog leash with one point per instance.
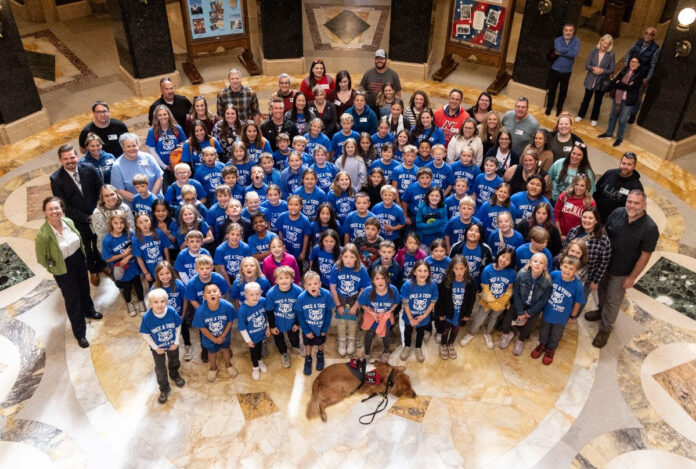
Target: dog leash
{"x": 382, "y": 404}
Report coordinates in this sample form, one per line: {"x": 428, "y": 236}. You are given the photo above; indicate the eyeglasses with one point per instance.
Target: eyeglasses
{"x": 102, "y": 112}
{"x": 580, "y": 144}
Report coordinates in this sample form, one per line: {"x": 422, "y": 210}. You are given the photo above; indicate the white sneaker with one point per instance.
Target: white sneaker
{"x": 593, "y": 123}
{"x": 405, "y": 352}
{"x": 255, "y": 374}
{"x": 285, "y": 360}
{"x": 141, "y": 308}
{"x": 465, "y": 340}
{"x": 232, "y": 371}
{"x": 342, "y": 346}
{"x": 212, "y": 374}
{"x": 438, "y": 337}
{"x": 489, "y": 341}
{"x": 351, "y": 345}
{"x": 132, "y": 309}
{"x": 263, "y": 367}
{"x": 426, "y": 336}
{"x": 188, "y": 352}
{"x": 578, "y": 119}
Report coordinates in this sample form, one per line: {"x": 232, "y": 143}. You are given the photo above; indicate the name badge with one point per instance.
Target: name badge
{"x": 143, "y": 163}
{"x": 623, "y": 191}
{"x": 363, "y": 119}
{"x": 567, "y": 149}
{"x": 112, "y": 137}
{"x": 519, "y": 132}
{"x": 338, "y": 102}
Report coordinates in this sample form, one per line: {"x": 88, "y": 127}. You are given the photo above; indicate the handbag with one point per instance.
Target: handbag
{"x": 605, "y": 84}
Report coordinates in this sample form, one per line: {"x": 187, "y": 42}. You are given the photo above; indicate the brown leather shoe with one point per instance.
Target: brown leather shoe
{"x": 94, "y": 279}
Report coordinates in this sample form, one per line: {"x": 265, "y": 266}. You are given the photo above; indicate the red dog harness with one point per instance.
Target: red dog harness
{"x": 359, "y": 370}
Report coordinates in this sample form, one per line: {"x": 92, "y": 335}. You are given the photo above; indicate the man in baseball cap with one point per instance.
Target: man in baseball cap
{"x": 373, "y": 79}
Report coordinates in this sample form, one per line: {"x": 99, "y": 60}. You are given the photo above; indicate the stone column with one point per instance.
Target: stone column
{"x": 667, "y": 119}
{"x": 21, "y": 111}
{"x": 143, "y": 43}
{"x": 281, "y": 36}
{"x": 409, "y": 46}
{"x": 538, "y": 31}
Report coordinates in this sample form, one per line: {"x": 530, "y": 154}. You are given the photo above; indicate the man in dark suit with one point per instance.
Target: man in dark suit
{"x": 79, "y": 185}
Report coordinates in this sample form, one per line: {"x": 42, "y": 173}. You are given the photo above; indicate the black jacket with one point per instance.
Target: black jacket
{"x": 180, "y": 108}
{"x": 612, "y": 191}
{"x": 78, "y": 205}
{"x": 632, "y": 88}
{"x": 270, "y": 131}
{"x": 445, "y": 304}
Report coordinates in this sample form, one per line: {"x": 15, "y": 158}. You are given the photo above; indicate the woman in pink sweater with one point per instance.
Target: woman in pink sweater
{"x": 277, "y": 258}
{"x": 571, "y": 203}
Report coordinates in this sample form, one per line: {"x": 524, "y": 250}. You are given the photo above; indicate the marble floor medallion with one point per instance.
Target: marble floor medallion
{"x": 357, "y": 26}
{"x": 12, "y": 269}
{"x": 680, "y": 383}
{"x": 670, "y": 284}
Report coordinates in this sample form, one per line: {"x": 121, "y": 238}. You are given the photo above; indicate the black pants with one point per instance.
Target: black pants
{"x": 509, "y": 316}
{"x": 293, "y": 337}
{"x": 256, "y": 353}
{"x": 449, "y": 333}
{"x": 74, "y": 286}
{"x": 556, "y": 78}
{"x": 161, "y": 366}
{"x": 586, "y": 103}
{"x": 168, "y": 179}
{"x": 95, "y": 263}
{"x": 550, "y": 334}
{"x": 369, "y": 335}
{"x": 132, "y": 284}
{"x": 420, "y": 331}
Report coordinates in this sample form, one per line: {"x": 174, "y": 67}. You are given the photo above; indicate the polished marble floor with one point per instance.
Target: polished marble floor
{"x": 632, "y": 405}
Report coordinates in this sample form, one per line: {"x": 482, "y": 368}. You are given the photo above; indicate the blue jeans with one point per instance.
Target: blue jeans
{"x": 622, "y": 113}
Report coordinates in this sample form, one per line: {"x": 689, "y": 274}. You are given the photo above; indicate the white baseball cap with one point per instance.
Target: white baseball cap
{"x": 380, "y": 53}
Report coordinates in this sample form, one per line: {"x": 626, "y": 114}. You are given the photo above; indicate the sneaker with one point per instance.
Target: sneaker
{"x": 163, "y": 397}
{"x": 451, "y": 352}
{"x": 255, "y": 373}
{"x": 594, "y": 315}
{"x": 443, "y": 352}
{"x": 384, "y": 358}
{"x": 298, "y": 351}
{"x": 548, "y": 357}
{"x": 263, "y": 367}
{"x": 308, "y": 365}
{"x": 419, "y": 355}
{"x": 426, "y": 336}
{"x": 204, "y": 355}
{"x": 489, "y": 341}
{"x": 536, "y": 353}
{"x": 505, "y": 340}
{"x": 212, "y": 374}
{"x": 351, "y": 345}
{"x": 405, "y": 352}
{"x": 132, "y": 309}
{"x": 578, "y": 119}
{"x": 285, "y": 360}
{"x": 232, "y": 371}
{"x": 320, "y": 360}
{"x": 603, "y": 135}
{"x": 601, "y": 339}
{"x": 438, "y": 337}
{"x": 466, "y": 339}
{"x": 519, "y": 348}
{"x": 179, "y": 381}
{"x": 593, "y": 123}
{"x": 141, "y": 307}
{"x": 342, "y": 346}
{"x": 188, "y": 353}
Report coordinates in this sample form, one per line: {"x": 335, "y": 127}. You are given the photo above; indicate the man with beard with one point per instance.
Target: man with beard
{"x": 108, "y": 129}
{"x": 615, "y": 185}
{"x": 178, "y": 104}
{"x": 374, "y": 78}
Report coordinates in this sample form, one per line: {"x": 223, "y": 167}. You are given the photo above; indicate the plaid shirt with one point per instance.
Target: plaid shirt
{"x": 598, "y": 251}
{"x": 244, "y": 101}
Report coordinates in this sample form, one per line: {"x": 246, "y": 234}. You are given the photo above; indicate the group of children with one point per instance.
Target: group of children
{"x": 292, "y": 242}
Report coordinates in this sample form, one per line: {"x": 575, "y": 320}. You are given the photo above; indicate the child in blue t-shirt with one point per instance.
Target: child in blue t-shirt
{"x": 497, "y": 281}
{"x": 249, "y": 271}
{"x": 379, "y": 302}
{"x": 342, "y": 196}
{"x": 117, "y": 252}
{"x": 209, "y": 174}
{"x": 389, "y": 214}
{"x": 281, "y": 314}
{"x": 143, "y": 200}
{"x": 280, "y": 156}
{"x": 185, "y": 261}
{"x": 387, "y": 251}
{"x": 382, "y": 137}
{"x": 386, "y": 162}
{"x": 538, "y": 240}
{"x": 204, "y": 275}
{"x": 150, "y": 247}
{"x": 257, "y": 184}
{"x": 326, "y": 219}
{"x": 260, "y": 241}
{"x": 339, "y": 138}
{"x": 404, "y": 175}
{"x": 431, "y": 216}
{"x": 291, "y": 177}
{"x": 354, "y": 224}
{"x": 214, "y": 318}
{"x": 414, "y": 195}
{"x": 443, "y": 175}
{"x": 294, "y": 229}
{"x": 326, "y": 171}
{"x": 347, "y": 281}
{"x": 161, "y": 329}
{"x": 311, "y": 195}
{"x": 499, "y": 202}
{"x": 314, "y": 308}
{"x": 182, "y": 172}
{"x": 418, "y": 297}
{"x": 253, "y": 326}
{"x": 564, "y": 305}
{"x": 230, "y": 176}
{"x": 315, "y": 137}
{"x": 486, "y": 182}
{"x": 438, "y": 260}
{"x": 270, "y": 174}
{"x": 456, "y": 227}
{"x": 217, "y": 212}
{"x": 452, "y": 202}
{"x": 466, "y": 168}
{"x": 229, "y": 254}
{"x": 167, "y": 279}
{"x": 324, "y": 255}
{"x": 505, "y": 235}
{"x": 273, "y": 206}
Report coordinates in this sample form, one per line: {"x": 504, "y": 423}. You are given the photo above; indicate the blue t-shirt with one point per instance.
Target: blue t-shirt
{"x": 513, "y": 241}
{"x": 290, "y": 180}
{"x": 175, "y": 295}
{"x": 423, "y": 162}
{"x": 378, "y": 141}
{"x": 564, "y": 296}
{"x": 210, "y": 177}
{"x": 312, "y": 142}
{"x": 339, "y": 139}
{"x": 243, "y": 172}
{"x": 452, "y": 206}
{"x": 387, "y": 168}
{"x": 215, "y": 321}
{"x": 123, "y": 171}
{"x": 325, "y": 176}
{"x": 185, "y": 263}
{"x": 162, "y": 330}
{"x": 456, "y": 229}
{"x": 252, "y": 319}
{"x": 311, "y": 201}
{"x": 413, "y": 197}
{"x": 343, "y": 205}
{"x": 325, "y": 261}
{"x": 194, "y": 289}
{"x": 419, "y": 299}
{"x": 438, "y": 268}
{"x": 260, "y": 191}
{"x": 237, "y": 192}
{"x": 151, "y": 251}
{"x": 237, "y": 292}
{"x": 254, "y": 153}
{"x": 497, "y": 280}
{"x": 259, "y": 245}
{"x": 524, "y": 253}
{"x": 392, "y": 216}
{"x": 488, "y": 214}
{"x": 525, "y": 206}
{"x": 409, "y": 262}
{"x": 280, "y": 159}
{"x": 349, "y": 282}
{"x": 443, "y": 176}
{"x": 272, "y": 212}
{"x": 381, "y": 303}
{"x": 458, "y": 291}
{"x": 192, "y": 157}
{"x": 173, "y": 193}
{"x": 318, "y": 228}
{"x": 314, "y": 312}
{"x": 474, "y": 257}
{"x": 203, "y": 227}
{"x": 484, "y": 188}
{"x": 141, "y": 204}
{"x": 215, "y": 216}
{"x": 469, "y": 172}
{"x": 113, "y": 245}
{"x": 282, "y": 304}
{"x": 231, "y": 258}
{"x": 293, "y": 232}
{"x": 354, "y": 224}
{"x": 404, "y": 178}
{"x": 166, "y": 142}
{"x": 434, "y": 135}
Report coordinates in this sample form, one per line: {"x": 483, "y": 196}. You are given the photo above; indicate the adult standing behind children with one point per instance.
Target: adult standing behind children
{"x": 108, "y": 129}
{"x": 132, "y": 162}
{"x": 178, "y": 104}
{"x": 521, "y": 125}
{"x": 277, "y": 123}
{"x": 566, "y": 48}
{"x": 615, "y": 185}
{"x": 242, "y": 97}
{"x": 450, "y": 118}
{"x": 374, "y": 78}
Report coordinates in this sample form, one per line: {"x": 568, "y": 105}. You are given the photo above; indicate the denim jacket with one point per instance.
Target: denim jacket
{"x": 540, "y": 295}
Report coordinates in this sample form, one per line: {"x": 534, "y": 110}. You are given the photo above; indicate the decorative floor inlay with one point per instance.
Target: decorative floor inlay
{"x": 12, "y": 269}
{"x": 412, "y": 409}
{"x": 680, "y": 383}
{"x": 670, "y": 284}
{"x": 35, "y": 197}
{"x": 256, "y": 404}
{"x": 346, "y": 26}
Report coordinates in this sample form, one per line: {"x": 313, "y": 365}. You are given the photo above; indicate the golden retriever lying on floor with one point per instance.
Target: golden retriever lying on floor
{"x": 337, "y": 382}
